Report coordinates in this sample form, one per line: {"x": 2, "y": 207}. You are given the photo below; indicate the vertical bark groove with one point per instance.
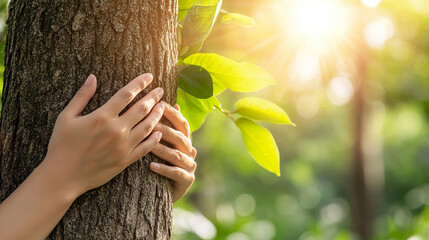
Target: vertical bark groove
{"x": 52, "y": 46}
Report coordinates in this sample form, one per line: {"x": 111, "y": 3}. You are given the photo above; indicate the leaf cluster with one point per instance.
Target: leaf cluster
{"x": 204, "y": 76}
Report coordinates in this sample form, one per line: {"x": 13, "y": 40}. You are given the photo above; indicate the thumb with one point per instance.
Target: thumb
{"x": 82, "y": 97}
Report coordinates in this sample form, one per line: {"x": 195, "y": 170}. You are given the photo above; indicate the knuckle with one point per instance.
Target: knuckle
{"x": 194, "y": 152}
{"x": 182, "y": 138}
{"x": 126, "y": 95}
{"x": 147, "y": 127}
{"x": 178, "y": 172}
{"x": 191, "y": 179}
{"x": 143, "y": 108}
{"x": 141, "y": 83}
{"x": 187, "y": 128}
{"x": 194, "y": 166}
{"x": 178, "y": 155}
{"x": 116, "y": 133}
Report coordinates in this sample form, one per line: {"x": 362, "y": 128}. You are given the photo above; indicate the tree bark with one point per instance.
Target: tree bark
{"x": 52, "y": 46}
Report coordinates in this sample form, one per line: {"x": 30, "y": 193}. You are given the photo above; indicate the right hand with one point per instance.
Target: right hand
{"x": 87, "y": 151}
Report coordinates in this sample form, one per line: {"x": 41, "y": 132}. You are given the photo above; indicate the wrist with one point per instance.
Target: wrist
{"x": 55, "y": 181}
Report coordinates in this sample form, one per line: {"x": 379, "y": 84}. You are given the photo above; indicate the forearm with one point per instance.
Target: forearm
{"x": 35, "y": 207}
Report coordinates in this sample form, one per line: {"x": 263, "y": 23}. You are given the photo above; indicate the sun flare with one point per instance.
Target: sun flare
{"x": 317, "y": 24}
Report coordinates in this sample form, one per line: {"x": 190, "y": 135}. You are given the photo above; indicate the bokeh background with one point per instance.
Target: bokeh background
{"x": 348, "y": 71}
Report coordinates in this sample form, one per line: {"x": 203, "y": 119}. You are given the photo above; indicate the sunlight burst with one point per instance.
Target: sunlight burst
{"x": 317, "y": 23}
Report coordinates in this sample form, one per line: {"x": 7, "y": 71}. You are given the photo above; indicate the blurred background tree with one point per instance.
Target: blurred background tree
{"x": 339, "y": 64}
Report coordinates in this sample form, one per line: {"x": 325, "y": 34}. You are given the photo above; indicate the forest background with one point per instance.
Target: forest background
{"x": 319, "y": 52}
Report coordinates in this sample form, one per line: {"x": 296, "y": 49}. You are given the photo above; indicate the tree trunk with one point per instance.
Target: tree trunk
{"x": 52, "y": 46}
{"x": 361, "y": 197}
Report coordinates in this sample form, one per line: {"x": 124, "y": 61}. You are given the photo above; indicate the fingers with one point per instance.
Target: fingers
{"x": 177, "y": 119}
{"x": 176, "y": 174}
{"x": 82, "y": 97}
{"x": 178, "y": 139}
{"x": 175, "y": 157}
{"x": 142, "y": 130}
{"x": 144, "y": 147}
{"x": 142, "y": 108}
{"x": 126, "y": 94}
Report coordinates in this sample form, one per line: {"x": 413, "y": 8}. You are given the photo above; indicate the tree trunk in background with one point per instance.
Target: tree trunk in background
{"x": 361, "y": 196}
{"x": 52, "y": 47}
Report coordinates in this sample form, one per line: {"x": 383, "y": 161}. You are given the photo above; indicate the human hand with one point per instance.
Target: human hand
{"x": 88, "y": 151}
{"x": 182, "y": 157}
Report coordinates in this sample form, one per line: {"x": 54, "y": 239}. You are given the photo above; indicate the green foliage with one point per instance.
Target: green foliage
{"x": 261, "y": 109}
{"x": 184, "y": 7}
{"x": 206, "y": 75}
{"x": 260, "y": 144}
{"x": 239, "y": 77}
{"x": 196, "y": 81}
{"x": 226, "y": 17}
{"x": 194, "y": 109}
{"x": 197, "y": 25}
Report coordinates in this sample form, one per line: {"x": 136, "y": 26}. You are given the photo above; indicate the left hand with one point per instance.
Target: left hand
{"x": 182, "y": 157}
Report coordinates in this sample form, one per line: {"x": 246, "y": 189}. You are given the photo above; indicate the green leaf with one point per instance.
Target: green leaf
{"x": 196, "y": 81}
{"x": 198, "y": 24}
{"x": 261, "y": 109}
{"x": 184, "y": 6}
{"x": 237, "y": 76}
{"x": 260, "y": 144}
{"x": 195, "y": 110}
{"x": 235, "y": 18}
{"x": 218, "y": 87}
{"x": 215, "y": 102}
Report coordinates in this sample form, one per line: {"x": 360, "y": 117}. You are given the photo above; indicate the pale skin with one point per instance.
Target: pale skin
{"x": 87, "y": 151}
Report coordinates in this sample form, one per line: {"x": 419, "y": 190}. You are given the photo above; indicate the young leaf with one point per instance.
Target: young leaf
{"x": 196, "y": 81}
{"x": 184, "y": 6}
{"x": 218, "y": 87}
{"x": 195, "y": 110}
{"x": 261, "y": 109}
{"x": 237, "y": 76}
{"x": 235, "y": 18}
{"x": 198, "y": 24}
{"x": 260, "y": 144}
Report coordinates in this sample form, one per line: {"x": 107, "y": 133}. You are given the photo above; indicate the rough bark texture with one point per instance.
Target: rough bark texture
{"x": 52, "y": 46}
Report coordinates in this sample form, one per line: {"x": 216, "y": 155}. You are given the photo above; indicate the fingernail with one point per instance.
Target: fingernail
{"x": 154, "y": 165}
{"x": 89, "y": 79}
{"x": 150, "y": 76}
{"x": 163, "y": 105}
{"x": 160, "y": 91}
{"x": 159, "y": 136}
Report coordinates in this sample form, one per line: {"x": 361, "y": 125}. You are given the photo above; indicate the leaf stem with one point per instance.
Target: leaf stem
{"x": 227, "y": 113}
